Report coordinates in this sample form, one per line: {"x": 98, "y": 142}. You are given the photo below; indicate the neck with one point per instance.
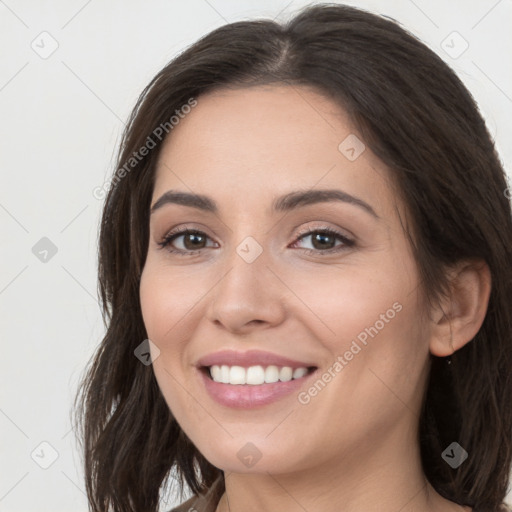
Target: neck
{"x": 387, "y": 477}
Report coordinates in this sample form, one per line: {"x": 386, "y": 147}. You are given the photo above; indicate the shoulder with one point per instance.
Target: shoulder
{"x": 199, "y": 503}
{"x": 206, "y": 502}
{"x": 187, "y": 506}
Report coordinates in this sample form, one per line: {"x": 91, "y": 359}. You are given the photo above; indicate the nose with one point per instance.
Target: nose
{"x": 247, "y": 296}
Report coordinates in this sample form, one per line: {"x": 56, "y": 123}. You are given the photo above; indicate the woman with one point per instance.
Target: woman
{"x": 309, "y": 238}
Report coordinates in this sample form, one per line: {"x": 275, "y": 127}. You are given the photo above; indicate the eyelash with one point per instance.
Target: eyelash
{"x": 347, "y": 243}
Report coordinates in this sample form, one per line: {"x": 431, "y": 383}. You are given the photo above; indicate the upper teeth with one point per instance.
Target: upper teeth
{"x": 254, "y": 375}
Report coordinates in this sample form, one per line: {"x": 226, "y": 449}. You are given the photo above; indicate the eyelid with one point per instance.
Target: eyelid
{"x": 324, "y": 227}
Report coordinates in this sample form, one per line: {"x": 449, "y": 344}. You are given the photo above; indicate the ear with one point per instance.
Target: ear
{"x": 460, "y": 315}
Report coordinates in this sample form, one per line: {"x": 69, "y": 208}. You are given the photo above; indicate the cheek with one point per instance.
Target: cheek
{"x": 167, "y": 299}
{"x": 353, "y": 301}
{"x": 161, "y": 313}
{"x": 152, "y": 306}
{"x": 368, "y": 320}
{"x": 163, "y": 306}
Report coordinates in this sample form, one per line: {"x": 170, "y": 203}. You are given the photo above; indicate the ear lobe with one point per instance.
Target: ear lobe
{"x": 462, "y": 312}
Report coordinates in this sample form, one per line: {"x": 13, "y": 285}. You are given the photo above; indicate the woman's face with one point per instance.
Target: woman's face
{"x": 253, "y": 279}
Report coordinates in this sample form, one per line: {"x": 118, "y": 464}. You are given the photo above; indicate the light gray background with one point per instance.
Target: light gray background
{"x": 60, "y": 119}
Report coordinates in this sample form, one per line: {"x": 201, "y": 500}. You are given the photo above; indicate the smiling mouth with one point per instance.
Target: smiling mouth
{"x": 255, "y": 375}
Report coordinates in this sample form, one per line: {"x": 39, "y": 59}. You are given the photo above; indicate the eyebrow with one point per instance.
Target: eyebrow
{"x": 287, "y": 202}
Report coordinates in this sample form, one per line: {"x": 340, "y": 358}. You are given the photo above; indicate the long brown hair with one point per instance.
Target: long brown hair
{"x": 415, "y": 114}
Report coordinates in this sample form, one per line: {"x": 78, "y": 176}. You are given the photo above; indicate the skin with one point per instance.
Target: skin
{"x": 353, "y": 447}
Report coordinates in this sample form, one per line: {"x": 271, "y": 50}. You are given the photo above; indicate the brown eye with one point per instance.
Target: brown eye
{"x": 324, "y": 241}
{"x": 193, "y": 241}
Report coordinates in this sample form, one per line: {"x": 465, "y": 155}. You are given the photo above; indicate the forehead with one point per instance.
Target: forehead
{"x": 264, "y": 119}
{"x": 268, "y": 139}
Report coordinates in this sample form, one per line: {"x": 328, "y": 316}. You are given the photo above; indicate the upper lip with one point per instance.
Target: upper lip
{"x": 249, "y": 358}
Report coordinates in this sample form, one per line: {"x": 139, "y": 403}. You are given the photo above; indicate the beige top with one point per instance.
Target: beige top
{"x": 204, "y": 503}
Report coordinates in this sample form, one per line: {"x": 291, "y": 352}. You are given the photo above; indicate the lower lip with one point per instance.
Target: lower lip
{"x": 247, "y": 396}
